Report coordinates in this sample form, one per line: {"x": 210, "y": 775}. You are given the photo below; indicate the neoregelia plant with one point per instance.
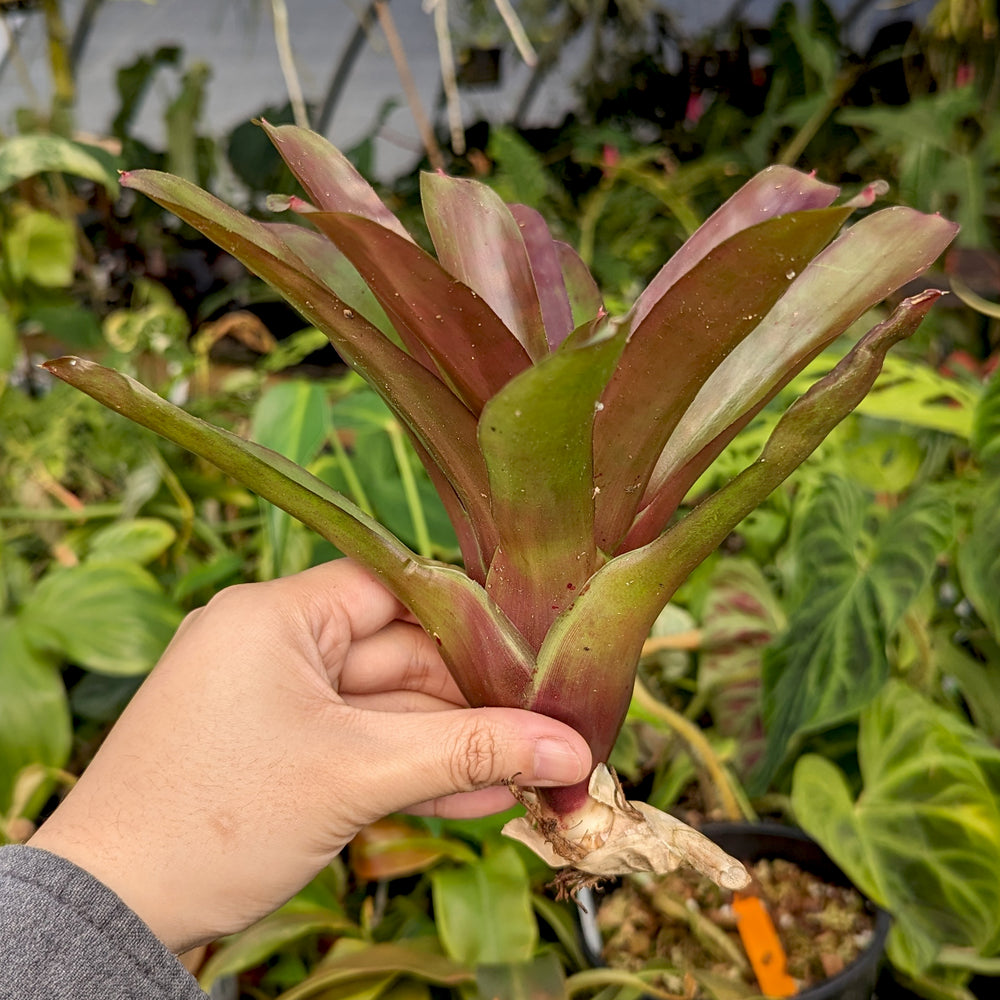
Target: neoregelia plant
{"x": 561, "y": 441}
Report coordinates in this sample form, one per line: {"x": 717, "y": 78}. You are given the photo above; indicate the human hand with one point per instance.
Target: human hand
{"x": 283, "y": 717}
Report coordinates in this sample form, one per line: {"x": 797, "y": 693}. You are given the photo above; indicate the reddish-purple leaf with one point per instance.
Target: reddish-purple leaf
{"x": 328, "y": 177}
{"x": 857, "y": 271}
{"x": 776, "y": 190}
{"x": 480, "y": 243}
{"x": 334, "y": 270}
{"x": 431, "y": 310}
{"x": 424, "y": 404}
{"x": 546, "y": 269}
{"x": 680, "y": 342}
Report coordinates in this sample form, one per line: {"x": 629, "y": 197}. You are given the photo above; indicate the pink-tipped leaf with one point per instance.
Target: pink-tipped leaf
{"x": 478, "y": 240}
{"x": 776, "y": 190}
{"x": 329, "y": 178}
{"x": 858, "y": 270}
{"x": 680, "y": 342}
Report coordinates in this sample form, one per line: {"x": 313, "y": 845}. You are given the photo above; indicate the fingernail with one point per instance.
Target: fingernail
{"x": 557, "y": 763}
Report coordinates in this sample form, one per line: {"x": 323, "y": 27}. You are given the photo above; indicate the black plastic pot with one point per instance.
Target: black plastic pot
{"x": 750, "y": 842}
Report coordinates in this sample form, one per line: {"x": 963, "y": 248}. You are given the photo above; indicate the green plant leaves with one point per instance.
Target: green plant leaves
{"x": 35, "y": 724}
{"x": 23, "y": 156}
{"x": 922, "y": 838}
{"x": 40, "y": 248}
{"x": 483, "y": 910}
{"x": 108, "y": 615}
{"x": 293, "y": 419}
{"x": 852, "y": 586}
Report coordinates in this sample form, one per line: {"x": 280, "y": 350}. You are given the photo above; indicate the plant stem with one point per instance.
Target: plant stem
{"x": 423, "y": 538}
{"x": 714, "y": 776}
{"x": 282, "y": 39}
{"x": 385, "y": 19}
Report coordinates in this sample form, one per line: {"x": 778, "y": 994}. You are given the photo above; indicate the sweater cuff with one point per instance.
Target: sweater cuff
{"x": 65, "y": 934}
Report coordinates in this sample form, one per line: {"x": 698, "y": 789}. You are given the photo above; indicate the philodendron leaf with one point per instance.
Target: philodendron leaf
{"x": 855, "y": 587}
{"x": 35, "y": 724}
{"x": 483, "y": 910}
{"x": 536, "y": 439}
{"x": 479, "y": 241}
{"x": 986, "y": 425}
{"x": 979, "y": 558}
{"x": 867, "y": 262}
{"x": 922, "y": 838}
{"x": 328, "y": 177}
{"x": 110, "y": 616}
{"x": 468, "y": 627}
{"x": 681, "y": 341}
{"x": 423, "y": 402}
{"x": 606, "y": 626}
{"x": 778, "y": 190}
{"x": 435, "y": 314}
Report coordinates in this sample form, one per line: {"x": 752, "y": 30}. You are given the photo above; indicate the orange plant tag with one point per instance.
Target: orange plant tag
{"x": 763, "y": 947}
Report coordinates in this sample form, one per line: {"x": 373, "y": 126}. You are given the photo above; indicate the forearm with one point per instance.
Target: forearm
{"x": 65, "y": 935}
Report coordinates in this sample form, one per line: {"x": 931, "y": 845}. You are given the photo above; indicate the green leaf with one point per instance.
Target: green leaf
{"x": 536, "y": 439}
{"x": 541, "y": 978}
{"x": 979, "y": 557}
{"x": 42, "y": 249}
{"x": 267, "y": 937}
{"x": 453, "y": 609}
{"x": 923, "y": 836}
{"x": 23, "y": 156}
{"x": 680, "y": 342}
{"x": 376, "y": 960}
{"x": 853, "y": 588}
{"x": 986, "y": 425}
{"x": 35, "y": 725}
{"x": 293, "y": 419}
{"x": 867, "y": 262}
{"x": 108, "y": 616}
{"x": 479, "y": 241}
{"x": 913, "y": 393}
{"x": 140, "y": 540}
{"x": 483, "y": 911}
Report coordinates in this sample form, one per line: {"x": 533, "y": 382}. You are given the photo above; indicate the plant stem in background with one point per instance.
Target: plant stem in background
{"x": 282, "y": 40}
{"x": 715, "y": 782}
{"x": 423, "y": 123}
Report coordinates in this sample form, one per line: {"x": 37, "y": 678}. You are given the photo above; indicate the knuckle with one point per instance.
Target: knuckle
{"x": 475, "y": 756}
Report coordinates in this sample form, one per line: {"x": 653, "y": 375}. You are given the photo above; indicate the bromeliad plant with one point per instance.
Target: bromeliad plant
{"x": 561, "y": 441}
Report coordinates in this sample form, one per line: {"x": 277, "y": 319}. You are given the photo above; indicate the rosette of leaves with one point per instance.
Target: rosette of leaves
{"x": 561, "y": 440}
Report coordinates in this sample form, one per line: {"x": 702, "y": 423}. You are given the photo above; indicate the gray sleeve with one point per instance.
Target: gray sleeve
{"x": 66, "y": 936}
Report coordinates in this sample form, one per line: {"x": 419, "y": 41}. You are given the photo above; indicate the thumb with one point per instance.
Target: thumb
{"x": 428, "y": 755}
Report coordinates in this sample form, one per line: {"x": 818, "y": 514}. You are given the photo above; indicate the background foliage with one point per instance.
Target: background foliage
{"x": 839, "y": 656}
